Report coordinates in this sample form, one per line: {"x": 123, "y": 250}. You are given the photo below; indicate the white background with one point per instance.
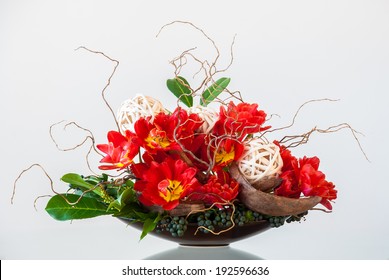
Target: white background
{"x": 286, "y": 52}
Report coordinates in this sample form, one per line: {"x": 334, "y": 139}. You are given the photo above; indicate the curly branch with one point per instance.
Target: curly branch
{"x": 51, "y": 186}
{"x": 209, "y": 68}
{"x": 211, "y": 207}
{"x": 297, "y": 140}
{"x": 24, "y": 171}
{"x": 108, "y": 81}
{"x": 298, "y": 111}
{"x": 197, "y": 28}
{"x": 90, "y": 136}
{"x": 231, "y": 56}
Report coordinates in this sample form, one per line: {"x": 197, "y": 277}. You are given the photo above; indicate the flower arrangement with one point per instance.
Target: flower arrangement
{"x": 188, "y": 162}
{"x": 193, "y": 161}
{"x": 207, "y": 162}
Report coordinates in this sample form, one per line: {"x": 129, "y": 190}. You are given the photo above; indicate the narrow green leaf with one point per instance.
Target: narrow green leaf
{"x": 141, "y": 216}
{"x": 181, "y": 89}
{"x": 214, "y": 90}
{"x": 87, "y": 194}
{"x": 77, "y": 181}
{"x": 130, "y": 211}
{"x": 149, "y": 225}
{"x": 130, "y": 183}
{"x": 94, "y": 180}
{"x": 116, "y": 204}
{"x": 126, "y": 196}
{"x": 87, "y": 207}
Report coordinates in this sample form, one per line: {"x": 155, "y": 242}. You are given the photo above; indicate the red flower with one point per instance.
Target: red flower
{"x": 303, "y": 177}
{"x": 220, "y": 188}
{"x": 226, "y": 151}
{"x": 216, "y": 151}
{"x": 290, "y": 185}
{"x": 167, "y": 130}
{"x": 240, "y": 120}
{"x": 289, "y": 161}
{"x": 163, "y": 184}
{"x": 120, "y": 150}
{"x": 313, "y": 182}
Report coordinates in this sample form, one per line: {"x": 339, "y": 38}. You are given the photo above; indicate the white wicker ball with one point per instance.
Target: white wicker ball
{"x": 260, "y": 160}
{"x": 207, "y": 114}
{"x": 135, "y": 108}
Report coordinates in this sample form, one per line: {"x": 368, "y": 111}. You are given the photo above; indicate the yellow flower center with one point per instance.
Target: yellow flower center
{"x": 223, "y": 157}
{"x": 157, "y": 139}
{"x": 170, "y": 190}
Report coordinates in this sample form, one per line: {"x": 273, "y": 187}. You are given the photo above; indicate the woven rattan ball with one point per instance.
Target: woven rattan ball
{"x": 135, "y": 108}
{"x": 260, "y": 160}
{"x": 207, "y": 114}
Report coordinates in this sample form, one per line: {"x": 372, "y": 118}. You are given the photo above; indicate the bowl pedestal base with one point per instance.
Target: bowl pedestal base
{"x": 185, "y": 252}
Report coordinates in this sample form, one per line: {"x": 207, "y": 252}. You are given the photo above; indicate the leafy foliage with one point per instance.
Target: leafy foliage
{"x": 73, "y": 207}
{"x": 180, "y": 87}
{"x": 214, "y": 90}
{"x": 89, "y": 201}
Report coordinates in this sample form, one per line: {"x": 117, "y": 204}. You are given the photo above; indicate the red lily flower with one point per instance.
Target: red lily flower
{"x": 120, "y": 150}
{"x": 164, "y": 184}
{"x": 167, "y": 130}
{"x": 220, "y": 188}
{"x": 240, "y": 120}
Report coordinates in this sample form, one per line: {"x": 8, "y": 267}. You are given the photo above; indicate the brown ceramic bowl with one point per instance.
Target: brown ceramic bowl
{"x": 237, "y": 233}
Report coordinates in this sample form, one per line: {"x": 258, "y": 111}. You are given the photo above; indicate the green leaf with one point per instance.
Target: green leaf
{"x": 134, "y": 212}
{"x": 94, "y": 180}
{"x": 75, "y": 180}
{"x": 214, "y": 90}
{"x": 141, "y": 216}
{"x": 181, "y": 89}
{"x": 87, "y": 194}
{"x": 127, "y": 195}
{"x": 130, "y": 183}
{"x": 128, "y": 211}
{"x": 87, "y": 207}
{"x": 149, "y": 225}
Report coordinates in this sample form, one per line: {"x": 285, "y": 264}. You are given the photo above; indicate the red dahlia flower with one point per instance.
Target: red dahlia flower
{"x": 240, "y": 120}
{"x": 120, "y": 150}
{"x": 164, "y": 184}
{"x": 166, "y": 130}
{"x": 220, "y": 188}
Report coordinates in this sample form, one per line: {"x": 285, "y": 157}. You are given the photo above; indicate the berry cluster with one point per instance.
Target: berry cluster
{"x": 213, "y": 219}
{"x": 175, "y": 225}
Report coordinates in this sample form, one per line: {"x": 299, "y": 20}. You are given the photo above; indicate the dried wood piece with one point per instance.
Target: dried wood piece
{"x": 270, "y": 204}
{"x": 267, "y": 184}
{"x": 184, "y": 209}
